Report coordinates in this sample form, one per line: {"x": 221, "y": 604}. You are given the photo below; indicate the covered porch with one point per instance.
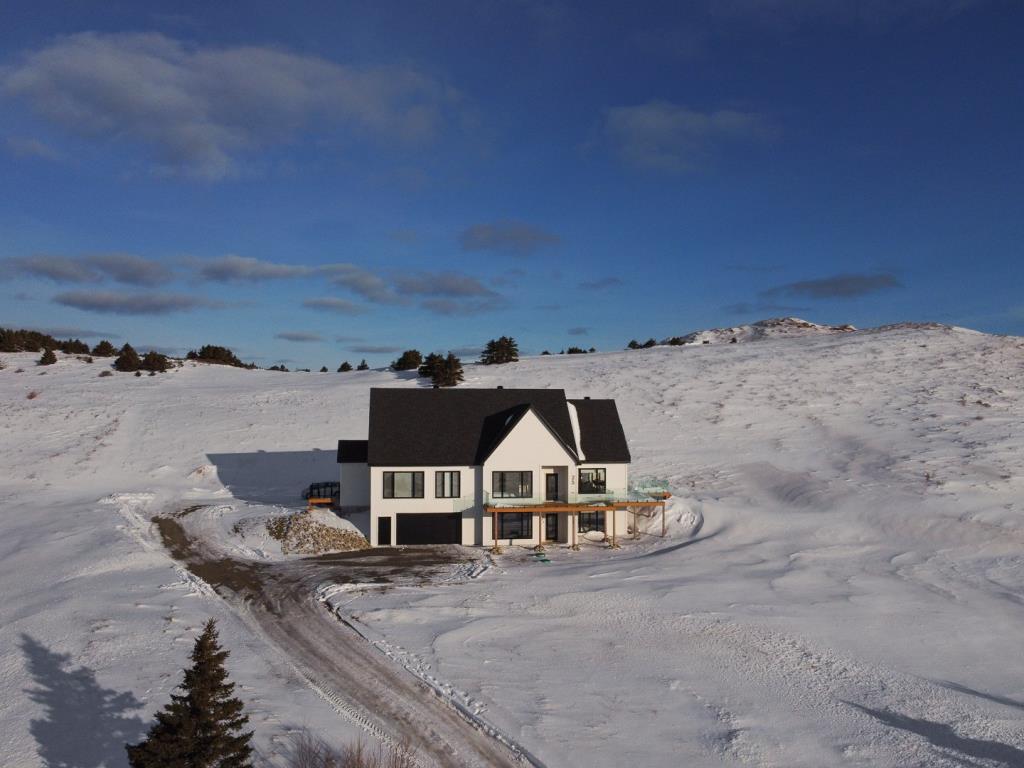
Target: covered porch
{"x": 557, "y": 522}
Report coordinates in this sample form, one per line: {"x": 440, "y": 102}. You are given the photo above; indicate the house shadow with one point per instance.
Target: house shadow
{"x": 83, "y": 724}
{"x": 274, "y": 477}
{"x": 965, "y": 749}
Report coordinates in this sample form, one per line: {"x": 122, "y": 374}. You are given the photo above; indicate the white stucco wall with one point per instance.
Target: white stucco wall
{"x": 381, "y": 507}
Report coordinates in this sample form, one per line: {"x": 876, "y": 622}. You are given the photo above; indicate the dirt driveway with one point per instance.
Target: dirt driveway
{"x": 279, "y": 598}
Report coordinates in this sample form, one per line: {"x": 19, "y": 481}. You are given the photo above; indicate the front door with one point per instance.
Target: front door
{"x": 551, "y": 527}
{"x": 383, "y": 531}
{"x": 551, "y": 487}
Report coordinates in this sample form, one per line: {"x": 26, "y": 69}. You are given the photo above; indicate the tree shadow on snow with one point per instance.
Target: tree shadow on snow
{"x": 274, "y": 477}
{"x": 940, "y": 735}
{"x": 981, "y": 694}
{"x": 83, "y": 724}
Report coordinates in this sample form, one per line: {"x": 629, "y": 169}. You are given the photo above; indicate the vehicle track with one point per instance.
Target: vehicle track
{"x": 280, "y": 600}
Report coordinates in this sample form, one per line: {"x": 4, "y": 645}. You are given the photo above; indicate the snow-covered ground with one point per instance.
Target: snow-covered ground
{"x": 854, "y": 596}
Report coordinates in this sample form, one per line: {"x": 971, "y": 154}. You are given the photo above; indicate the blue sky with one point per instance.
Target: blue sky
{"x": 324, "y": 181}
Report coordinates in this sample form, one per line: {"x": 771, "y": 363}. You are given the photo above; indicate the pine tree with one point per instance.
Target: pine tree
{"x": 449, "y": 372}
{"x": 345, "y": 367}
{"x": 545, "y": 352}
{"x": 154, "y": 362}
{"x": 408, "y": 361}
{"x": 432, "y": 362}
{"x": 104, "y": 349}
{"x": 323, "y": 369}
{"x": 649, "y": 343}
{"x": 499, "y": 351}
{"x": 48, "y": 358}
{"x": 202, "y": 726}
{"x": 363, "y": 366}
{"x": 128, "y": 360}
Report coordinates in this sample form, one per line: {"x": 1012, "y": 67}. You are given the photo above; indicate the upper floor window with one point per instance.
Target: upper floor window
{"x": 512, "y": 485}
{"x": 446, "y": 485}
{"x": 403, "y": 485}
{"x": 592, "y": 481}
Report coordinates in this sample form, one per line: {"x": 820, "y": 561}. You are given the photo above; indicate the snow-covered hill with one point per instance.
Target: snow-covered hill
{"x": 773, "y": 328}
{"x": 853, "y": 598}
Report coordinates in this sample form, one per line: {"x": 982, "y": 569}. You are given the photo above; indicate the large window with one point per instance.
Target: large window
{"x": 592, "y": 481}
{"x": 403, "y": 485}
{"x": 591, "y": 521}
{"x": 512, "y": 485}
{"x": 515, "y": 525}
{"x": 446, "y": 485}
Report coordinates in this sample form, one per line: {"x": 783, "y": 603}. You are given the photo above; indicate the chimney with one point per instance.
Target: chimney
{"x": 500, "y": 387}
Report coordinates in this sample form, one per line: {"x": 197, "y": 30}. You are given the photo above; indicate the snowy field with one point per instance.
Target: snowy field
{"x": 854, "y": 596}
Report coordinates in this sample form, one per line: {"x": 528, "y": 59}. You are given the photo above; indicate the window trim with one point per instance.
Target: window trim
{"x": 525, "y": 520}
{"x": 439, "y": 484}
{"x": 498, "y": 486}
{"x": 390, "y": 475}
{"x": 603, "y": 482}
{"x": 588, "y": 526}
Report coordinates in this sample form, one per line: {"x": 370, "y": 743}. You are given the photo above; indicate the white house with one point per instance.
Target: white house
{"x": 486, "y": 466}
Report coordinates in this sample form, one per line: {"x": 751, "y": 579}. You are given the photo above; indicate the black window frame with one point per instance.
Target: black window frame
{"x": 455, "y": 486}
{"x": 590, "y": 521}
{"x": 389, "y": 492}
{"x": 500, "y": 488}
{"x": 602, "y": 485}
{"x": 521, "y": 525}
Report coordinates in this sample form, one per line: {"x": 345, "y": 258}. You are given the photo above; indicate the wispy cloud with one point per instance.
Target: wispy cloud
{"x": 336, "y": 305}
{"x": 663, "y": 136}
{"x": 601, "y": 283}
{"x": 347, "y": 339}
{"x": 361, "y": 281}
{"x": 28, "y": 147}
{"x": 513, "y": 237}
{"x": 121, "y": 267}
{"x": 201, "y": 108}
{"x": 445, "y": 283}
{"x": 73, "y": 332}
{"x": 457, "y": 307}
{"x": 372, "y": 349}
{"x": 845, "y": 286}
{"x": 579, "y": 330}
{"x": 300, "y": 336}
{"x": 234, "y": 268}
{"x": 759, "y": 307}
{"x": 108, "y": 302}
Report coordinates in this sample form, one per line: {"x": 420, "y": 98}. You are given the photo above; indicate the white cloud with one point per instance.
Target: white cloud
{"x": 231, "y": 268}
{"x": 108, "y": 302}
{"x": 28, "y": 147}
{"x": 201, "y": 108}
{"x": 334, "y": 304}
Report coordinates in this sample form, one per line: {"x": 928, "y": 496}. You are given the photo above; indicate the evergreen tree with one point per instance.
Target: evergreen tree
{"x": 576, "y": 351}
{"x": 649, "y": 343}
{"x": 501, "y": 350}
{"x": 432, "y": 362}
{"x": 345, "y": 367}
{"x": 74, "y": 347}
{"x": 154, "y": 362}
{"x": 592, "y": 349}
{"x": 449, "y": 372}
{"x": 104, "y": 349}
{"x": 362, "y": 366}
{"x": 408, "y": 361}
{"x": 323, "y": 369}
{"x": 202, "y": 726}
{"x": 545, "y": 352}
{"x": 48, "y": 358}
{"x": 128, "y": 360}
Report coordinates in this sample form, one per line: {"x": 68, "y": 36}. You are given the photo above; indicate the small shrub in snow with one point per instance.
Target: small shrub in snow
{"x": 323, "y": 369}
{"x": 106, "y": 373}
{"x": 48, "y": 358}
{"x": 154, "y": 362}
{"x": 32, "y": 395}
{"x": 138, "y": 373}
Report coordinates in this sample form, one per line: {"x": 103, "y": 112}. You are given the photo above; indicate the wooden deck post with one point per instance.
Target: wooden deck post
{"x": 663, "y": 519}
{"x": 614, "y": 526}
{"x": 494, "y": 528}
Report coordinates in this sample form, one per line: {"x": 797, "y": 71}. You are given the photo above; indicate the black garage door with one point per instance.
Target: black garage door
{"x": 430, "y": 529}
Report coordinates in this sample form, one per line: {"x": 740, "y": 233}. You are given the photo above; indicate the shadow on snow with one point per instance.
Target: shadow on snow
{"x": 83, "y": 724}
{"x": 274, "y": 477}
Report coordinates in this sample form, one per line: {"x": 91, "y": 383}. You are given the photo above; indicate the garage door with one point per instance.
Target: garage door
{"x": 430, "y": 528}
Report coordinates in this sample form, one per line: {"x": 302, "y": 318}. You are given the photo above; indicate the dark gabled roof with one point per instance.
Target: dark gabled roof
{"x": 456, "y": 427}
{"x": 601, "y": 431}
{"x": 352, "y": 451}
